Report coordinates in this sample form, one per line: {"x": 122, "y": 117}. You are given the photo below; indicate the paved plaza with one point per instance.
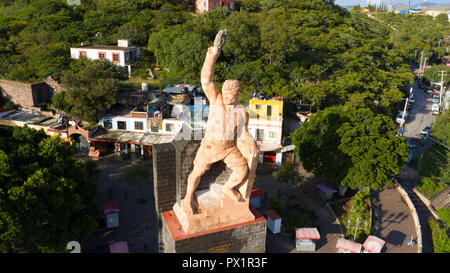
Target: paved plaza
{"x": 137, "y": 216}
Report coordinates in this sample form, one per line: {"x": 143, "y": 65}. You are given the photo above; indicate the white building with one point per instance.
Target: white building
{"x": 124, "y": 54}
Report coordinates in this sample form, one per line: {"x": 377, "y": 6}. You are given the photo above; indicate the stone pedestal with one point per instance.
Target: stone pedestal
{"x": 215, "y": 210}
{"x": 245, "y": 237}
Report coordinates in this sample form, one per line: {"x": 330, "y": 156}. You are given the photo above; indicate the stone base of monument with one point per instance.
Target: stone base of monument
{"x": 244, "y": 237}
{"x": 215, "y": 210}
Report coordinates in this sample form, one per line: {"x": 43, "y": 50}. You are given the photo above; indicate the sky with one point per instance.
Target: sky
{"x": 364, "y": 2}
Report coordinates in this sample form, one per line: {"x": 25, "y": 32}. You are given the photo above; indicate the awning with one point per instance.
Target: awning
{"x": 348, "y": 245}
{"x": 272, "y": 214}
{"x": 119, "y": 247}
{"x": 325, "y": 188}
{"x": 373, "y": 244}
{"x": 111, "y": 207}
{"x": 307, "y": 233}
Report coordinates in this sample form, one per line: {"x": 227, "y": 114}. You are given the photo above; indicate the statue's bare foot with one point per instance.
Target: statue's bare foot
{"x": 186, "y": 205}
{"x": 234, "y": 195}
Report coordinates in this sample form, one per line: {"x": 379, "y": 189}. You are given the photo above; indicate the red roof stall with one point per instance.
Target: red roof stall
{"x": 373, "y": 244}
{"x": 273, "y": 221}
{"x": 305, "y": 237}
{"x": 111, "y": 212}
{"x": 119, "y": 247}
{"x": 255, "y": 197}
{"x": 347, "y": 246}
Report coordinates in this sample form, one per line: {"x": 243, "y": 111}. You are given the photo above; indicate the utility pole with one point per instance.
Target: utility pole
{"x": 420, "y": 65}
{"x": 423, "y": 66}
{"x": 441, "y": 92}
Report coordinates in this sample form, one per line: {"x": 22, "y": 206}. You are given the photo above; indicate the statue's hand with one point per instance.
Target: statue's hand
{"x": 214, "y": 51}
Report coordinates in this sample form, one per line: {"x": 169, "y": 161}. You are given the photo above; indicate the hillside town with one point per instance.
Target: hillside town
{"x": 349, "y": 118}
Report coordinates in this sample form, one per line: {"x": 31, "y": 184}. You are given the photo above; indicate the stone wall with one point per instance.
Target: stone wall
{"x": 26, "y": 94}
{"x": 249, "y": 238}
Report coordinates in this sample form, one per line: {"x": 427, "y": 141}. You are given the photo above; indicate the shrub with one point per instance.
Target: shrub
{"x": 276, "y": 205}
{"x": 444, "y": 213}
{"x": 441, "y": 242}
{"x": 429, "y": 188}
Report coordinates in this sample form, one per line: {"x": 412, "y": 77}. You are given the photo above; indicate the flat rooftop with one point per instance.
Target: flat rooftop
{"x": 29, "y": 117}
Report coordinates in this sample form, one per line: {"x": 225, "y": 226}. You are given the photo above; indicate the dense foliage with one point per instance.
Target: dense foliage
{"x": 92, "y": 87}
{"x": 354, "y": 147}
{"x": 46, "y": 194}
{"x": 316, "y": 51}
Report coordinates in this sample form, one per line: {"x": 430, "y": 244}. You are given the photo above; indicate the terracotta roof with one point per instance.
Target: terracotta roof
{"x": 307, "y": 233}
{"x": 348, "y": 245}
{"x": 373, "y": 244}
{"x": 256, "y": 193}
{"x": 272, "y": 214}
{"x": 111, "y": 207}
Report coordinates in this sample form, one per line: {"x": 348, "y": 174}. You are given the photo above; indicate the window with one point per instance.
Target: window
{"x": 101, "y": 55}
{"x": 259, "y": 134}
{"x": 138, "y": 125}
{"x": 127, "y": 57}
{"x": 269, "y": 110}
{"x": 272, "y": 134}
{"x": 107, "y": 124}
{"x": 83, "y": 54}
{"x": 169, "y": 127}
{"x": 258, "y": 106}
{"x": 230, "y": 5}
{"x": 116, "y": 58}
{"x": 214, "y": 4}
{"x": 122, "y": 125}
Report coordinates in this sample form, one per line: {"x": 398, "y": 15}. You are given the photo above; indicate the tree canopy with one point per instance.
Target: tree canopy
{"x": 92, "y": 88}
{"x": 46, "y": 194}
{"x": 351, "y": 146}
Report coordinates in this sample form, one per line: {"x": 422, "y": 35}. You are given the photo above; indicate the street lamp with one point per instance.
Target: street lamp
{"x": 356, "y": 227}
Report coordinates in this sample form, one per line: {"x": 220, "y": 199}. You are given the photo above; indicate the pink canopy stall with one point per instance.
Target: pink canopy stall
{"x": 119, "y": 247}
{"x": 373, "y": 244}
{"x": 348, "y": 246}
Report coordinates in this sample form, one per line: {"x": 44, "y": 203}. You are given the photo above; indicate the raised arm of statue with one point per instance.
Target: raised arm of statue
{"x": 207, "y": 74}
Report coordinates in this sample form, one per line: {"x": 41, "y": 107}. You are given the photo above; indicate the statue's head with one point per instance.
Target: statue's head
{"x": 231, "y": 90}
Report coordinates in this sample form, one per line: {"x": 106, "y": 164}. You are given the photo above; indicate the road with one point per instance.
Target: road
{"x": 420, "y": 113}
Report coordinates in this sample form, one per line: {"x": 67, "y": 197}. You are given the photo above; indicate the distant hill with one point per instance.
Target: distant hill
{"x": 426, "y": 5}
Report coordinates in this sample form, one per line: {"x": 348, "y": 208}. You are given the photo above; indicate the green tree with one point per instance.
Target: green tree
{"x": 92, "y": 88}
{"x": 46, "y": 194}
{"x": 352, "y": 146}
{"x": 441, "y": 127}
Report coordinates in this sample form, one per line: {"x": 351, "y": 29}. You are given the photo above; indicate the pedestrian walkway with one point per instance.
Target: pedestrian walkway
{"x": 396, "y": 222}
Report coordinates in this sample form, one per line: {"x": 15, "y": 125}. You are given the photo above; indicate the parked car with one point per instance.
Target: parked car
{"x": 426, "y": 131}
{"x": 400, "y": 116}
{"x": 429, "y": 90}
{"x": 412, "y": 143}
{"x": 435, "y": 108}
{"x": 435, "y": 99}
{"x": 412, "y": 99}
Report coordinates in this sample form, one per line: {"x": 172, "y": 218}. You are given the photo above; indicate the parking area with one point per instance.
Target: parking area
{"x": 137, "y": 217}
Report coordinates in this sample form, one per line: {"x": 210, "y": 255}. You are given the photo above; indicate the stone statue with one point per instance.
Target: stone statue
{"x": 226, "y": 137}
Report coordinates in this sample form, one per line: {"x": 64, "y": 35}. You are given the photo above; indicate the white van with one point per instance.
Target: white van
{"x": 435, "y": 108}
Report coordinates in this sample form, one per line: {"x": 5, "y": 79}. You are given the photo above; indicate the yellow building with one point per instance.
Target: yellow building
{"x": 266, "y": 126}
